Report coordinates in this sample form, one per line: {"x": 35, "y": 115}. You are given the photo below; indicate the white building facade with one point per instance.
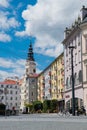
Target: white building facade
{"x": 76, "y": 36}
{"x": 84, "y": 53}
{"x": 10, "y": 94}
{"x": 29, "y": 82}
{"x": 73, "y": 38}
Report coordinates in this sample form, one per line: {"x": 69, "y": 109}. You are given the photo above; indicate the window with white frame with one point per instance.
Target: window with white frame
{"x": 79, "y": 39}
{"x": 86, "y": 44}
{"x": 86, "y": 71}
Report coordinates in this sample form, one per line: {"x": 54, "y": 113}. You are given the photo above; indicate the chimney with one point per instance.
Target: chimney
{"x": 84, "y": 12}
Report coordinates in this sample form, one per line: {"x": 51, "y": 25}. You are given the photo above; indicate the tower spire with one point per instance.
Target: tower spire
{"x": 30, "y": 52}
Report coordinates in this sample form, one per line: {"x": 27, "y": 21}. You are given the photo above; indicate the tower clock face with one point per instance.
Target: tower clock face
{"x": 32, "y": 80}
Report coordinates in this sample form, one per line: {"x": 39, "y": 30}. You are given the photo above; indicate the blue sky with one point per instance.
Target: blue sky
{"x": 45, "y": 20}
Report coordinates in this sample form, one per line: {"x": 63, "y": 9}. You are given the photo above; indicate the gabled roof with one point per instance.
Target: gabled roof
{"x": 9, "y": 82}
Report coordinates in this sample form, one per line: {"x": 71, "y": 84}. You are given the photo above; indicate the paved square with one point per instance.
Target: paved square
{"x": 43, "y": 122}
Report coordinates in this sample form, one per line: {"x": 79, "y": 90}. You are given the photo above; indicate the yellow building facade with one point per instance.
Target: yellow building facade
{"x": 57, "y": 78}
{"x": 51, "y": 82}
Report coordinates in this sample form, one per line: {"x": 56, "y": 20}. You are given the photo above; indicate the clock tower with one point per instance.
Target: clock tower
{"x": 30, "y": 62}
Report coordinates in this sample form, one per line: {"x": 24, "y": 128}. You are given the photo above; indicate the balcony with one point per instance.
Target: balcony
{"x": 43, "y": 93}
{"x": 62, "y": 62}
{"x": 43, "y": 78}
{"x": 55, "y": 77}
{"x": 49, "y": 81}
{"x": 62, "y": 73}
{"x": 55, "y": 68}
{"x": 49, "y": 73}
{"x": 49, "y": 90}
{"x": 43, "y": 86}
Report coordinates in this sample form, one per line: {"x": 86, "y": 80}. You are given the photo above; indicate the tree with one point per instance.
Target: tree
{"x": 37, "y": 105}
{"x": 54, "y": 105}
{"x": 46, "y": 105}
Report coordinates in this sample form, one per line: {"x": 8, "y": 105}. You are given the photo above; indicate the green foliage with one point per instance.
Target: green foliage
{"x": 50, "y": 105}
{"x": 28, "y": 105}
{"x": 54, "y": 105}
{"x": 37, "y": 106}
{"x": 46, "y": 105}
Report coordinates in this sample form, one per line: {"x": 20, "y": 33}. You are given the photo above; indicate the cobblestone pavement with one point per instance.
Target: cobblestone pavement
{"x": 43, "y": 122}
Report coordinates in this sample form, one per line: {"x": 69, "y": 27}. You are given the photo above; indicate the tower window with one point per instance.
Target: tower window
{"x": 32, "y": 93}
{"x": 34, "y": 70}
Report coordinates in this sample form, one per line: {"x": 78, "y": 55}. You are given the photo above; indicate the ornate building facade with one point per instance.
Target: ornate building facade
{"x": 29, "y": 83}
{"x": 76, "y": 36}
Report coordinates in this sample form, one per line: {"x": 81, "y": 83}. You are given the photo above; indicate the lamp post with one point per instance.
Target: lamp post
{"x": 73, "y": 92}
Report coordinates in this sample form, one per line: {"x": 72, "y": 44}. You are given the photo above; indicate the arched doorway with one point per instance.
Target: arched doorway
{"x": 78, "y": 103}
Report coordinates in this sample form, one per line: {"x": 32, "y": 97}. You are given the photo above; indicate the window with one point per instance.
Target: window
{"x": 34, "y": 70}
{"x": 6, "y": 86}
{"x": 70, "y": 80}
{"x": 79, "y": 39}
{"x": 86, "y": 45}
{"x": 10, "y": 104}
{"x": 11, "y": 86}
{"x": 16, "y": 92}
{"x": 75, "y": 79}
{"x": 16, "y": 87}
{"x": 67, "y": 80}
{"x": 26, "y": 70}
{"x": 75, "y": 57}
{"x": 86, "y": 72}
{"x": 16, "y": 104}
{"x": 79, "y": 55}
{"x": 66, "y": 51}
{"x": 11, "y": 98}
{"x": 80, "y": 76}
{"x": 2, "y": 97}
{"x": 32, "y": 93}
{"x": 75, "y": 42}
{"x": 11, "y": 92}
{"x": 2, "y": 86}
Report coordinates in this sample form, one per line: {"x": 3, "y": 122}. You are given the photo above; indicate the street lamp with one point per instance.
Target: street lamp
{"x": 73, "y": 92}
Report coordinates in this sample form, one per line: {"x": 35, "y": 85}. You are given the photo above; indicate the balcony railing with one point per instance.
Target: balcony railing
{"x": 49, "y": 73}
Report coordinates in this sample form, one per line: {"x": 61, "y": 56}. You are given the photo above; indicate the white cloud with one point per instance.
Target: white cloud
{"x": 7, "y": 23}
{"x": 4, "y": 37}
{"x": 47, "y": 21}
{"x": 13, "y": 68}
{"x": 4, "y": 3}
{"x": 17, "y": 67}
{"x": 4, "y": 74}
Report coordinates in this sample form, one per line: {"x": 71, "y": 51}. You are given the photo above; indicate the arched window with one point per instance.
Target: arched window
{"x": 70, "y": 81}
{"x": 67, "y": 82}
{"x": 75, "y": 79}
{"x": 80, "y": 76}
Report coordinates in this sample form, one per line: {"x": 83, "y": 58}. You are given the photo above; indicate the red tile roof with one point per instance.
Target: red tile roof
{"x": 8, "y": 81}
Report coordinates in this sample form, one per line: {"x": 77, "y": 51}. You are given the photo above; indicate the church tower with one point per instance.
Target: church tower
{"x": 30, "y": 62}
